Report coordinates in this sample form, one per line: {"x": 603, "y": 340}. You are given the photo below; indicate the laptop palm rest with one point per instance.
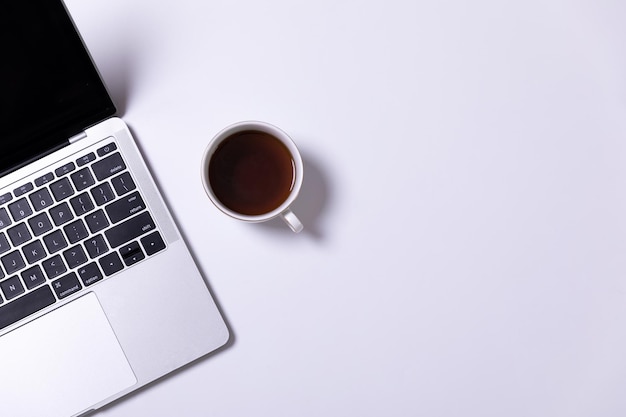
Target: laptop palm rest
{"x": 62, "y": 363}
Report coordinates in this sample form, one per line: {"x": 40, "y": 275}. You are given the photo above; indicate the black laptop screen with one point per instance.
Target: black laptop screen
{"x": 50, "y": 90}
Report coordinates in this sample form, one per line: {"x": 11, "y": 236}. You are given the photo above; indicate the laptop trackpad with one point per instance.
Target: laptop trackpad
{"x": 62, "y": 363}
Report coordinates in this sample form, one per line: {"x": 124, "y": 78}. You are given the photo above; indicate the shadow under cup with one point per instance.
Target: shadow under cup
{"x": 252, "y": 171}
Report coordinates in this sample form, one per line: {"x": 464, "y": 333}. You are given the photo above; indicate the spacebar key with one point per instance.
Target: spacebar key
{"x": 130, "y": 229}
{"x": 25, "y": 306}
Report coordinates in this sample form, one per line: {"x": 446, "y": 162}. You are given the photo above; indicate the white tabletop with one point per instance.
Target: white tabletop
{"x": 464, "y": 200}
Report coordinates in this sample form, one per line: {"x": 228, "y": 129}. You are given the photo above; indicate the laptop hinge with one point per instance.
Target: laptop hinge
{"x": 76, "y": 138}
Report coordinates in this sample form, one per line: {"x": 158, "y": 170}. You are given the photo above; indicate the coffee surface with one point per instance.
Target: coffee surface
{"x": 251, "y": 172}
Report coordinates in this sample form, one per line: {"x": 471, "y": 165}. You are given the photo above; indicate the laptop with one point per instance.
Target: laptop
{"x": 99, "y": 294}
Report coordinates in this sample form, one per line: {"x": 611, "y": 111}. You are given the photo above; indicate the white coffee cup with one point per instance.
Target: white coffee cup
{"x": 212, "y": 162}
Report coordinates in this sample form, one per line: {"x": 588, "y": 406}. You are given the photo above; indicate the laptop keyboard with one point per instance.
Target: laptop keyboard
{"x": 68, "y": 229}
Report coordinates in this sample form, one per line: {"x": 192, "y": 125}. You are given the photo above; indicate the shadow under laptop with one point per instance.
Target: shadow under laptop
{"x": 118, "y": 62}
{"x": 314, "y": 197}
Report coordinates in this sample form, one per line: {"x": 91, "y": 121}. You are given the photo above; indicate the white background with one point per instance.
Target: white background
{"x": 464, "y": 200}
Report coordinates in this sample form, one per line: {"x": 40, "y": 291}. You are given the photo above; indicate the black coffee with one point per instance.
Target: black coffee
{"x": 251, "y": 172}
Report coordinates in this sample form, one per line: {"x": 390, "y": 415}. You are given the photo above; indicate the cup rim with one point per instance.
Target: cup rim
{"x": 264, "y": 127}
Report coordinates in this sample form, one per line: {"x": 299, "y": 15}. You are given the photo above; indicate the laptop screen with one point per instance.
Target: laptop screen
{"x": 49, "y": 88}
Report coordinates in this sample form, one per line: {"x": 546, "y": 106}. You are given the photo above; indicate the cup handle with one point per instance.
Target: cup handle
{"x": 292, "y": 221}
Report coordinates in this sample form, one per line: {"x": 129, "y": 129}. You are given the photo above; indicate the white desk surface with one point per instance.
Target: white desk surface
{"x": 464, "y": 200}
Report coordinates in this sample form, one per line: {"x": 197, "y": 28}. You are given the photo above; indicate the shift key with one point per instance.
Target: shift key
{"x": 130, "y": 229}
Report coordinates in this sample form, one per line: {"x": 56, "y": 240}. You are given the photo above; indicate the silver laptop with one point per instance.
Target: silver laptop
{"x": 99, "y": 294}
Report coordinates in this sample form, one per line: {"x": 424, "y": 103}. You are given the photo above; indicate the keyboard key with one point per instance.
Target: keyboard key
{"x": 23, "y": 189}
{"x": 41, "y": 199}
{"x": 61, "y": 214}
{"x": 102, "y": 194}
{"x": 131, "y": 253}
{"x": 5, "y": 220}
{"x": 130, "y": 229}
{"x": 34, "y": 252}
{"x": 123, "y": 184}
{"x": 53, "y": 266}
{"x": 111, "y": 263}
{"x": 65, "y": 169}
{"x": 4, "y": 243}
{"x": 61, "y": 189}
{"x": 19, "y": 234}
{"x": 129, "y": 248}
{"x": 40, "y": 224}
{"x": 96, "y": 221}
{"x": 96, "y": 246}
{"x": 86, "y": 159}
{"x": 44, "y": 179}
{"x": 33, "y": 277}
{"x": 5, "y": 198}
{"x": 75, "y": 256}
{"x": 25, "y": 306}
{"x": 66, "y": 285}
{"x": 20, "y": 209}
{"x": 89, "y": 274}
{"x": 82, "y": 204}
{"x": 108, "y": 166}
{"x": 55, "y": 241}
{"x": 125, "y": 207}
{"x": 82, "y": 179}
{"x": 11, "y": 287}
{"x": 152, "y": 243}
{"x": 76, "y": 231}
{"x": 107, "y": 149}
{"x": 12, "y": 262}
